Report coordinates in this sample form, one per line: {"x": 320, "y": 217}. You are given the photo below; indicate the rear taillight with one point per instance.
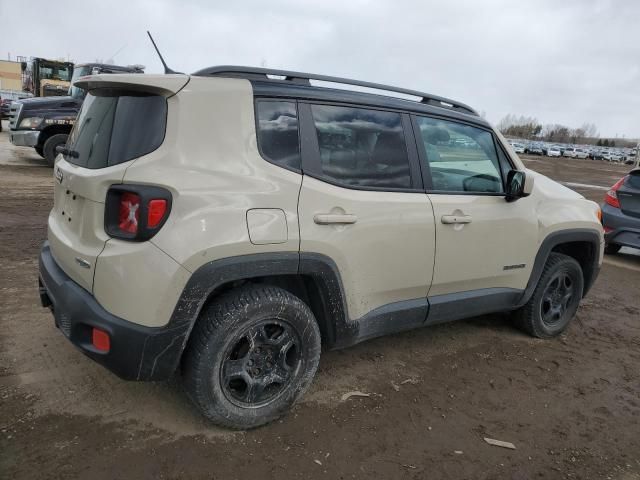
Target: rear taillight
{"x": 136, "y": 212}
{"x": 129, "y": 212}
{"x": 611, "y": 198}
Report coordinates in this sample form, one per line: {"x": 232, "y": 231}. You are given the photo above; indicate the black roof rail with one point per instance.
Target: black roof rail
{"x": 303, "y": 78}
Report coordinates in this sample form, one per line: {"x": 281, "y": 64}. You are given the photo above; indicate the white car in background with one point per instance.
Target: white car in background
{"x": 553, "y": 152}
{"x": 576, "y": 153}
{"x": 518, "y": 147}
{"x": 612, "y": 157}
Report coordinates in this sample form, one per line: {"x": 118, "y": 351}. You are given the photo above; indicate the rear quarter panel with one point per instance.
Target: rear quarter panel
{"x": 216, "y": 174}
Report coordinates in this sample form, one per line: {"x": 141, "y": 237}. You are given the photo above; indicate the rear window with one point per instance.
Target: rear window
{"x": 633, "y": 180}
{"x": 115, "y": 126}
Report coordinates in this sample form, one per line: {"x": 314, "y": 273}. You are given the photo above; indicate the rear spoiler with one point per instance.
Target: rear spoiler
{"x": 166, "y": 85}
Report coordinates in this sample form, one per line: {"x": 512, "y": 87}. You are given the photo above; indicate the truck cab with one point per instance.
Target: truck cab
{"x": 44, "y": 123}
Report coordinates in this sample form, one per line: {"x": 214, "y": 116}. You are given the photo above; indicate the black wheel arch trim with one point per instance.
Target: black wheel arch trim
{"x": 555, "y": 239}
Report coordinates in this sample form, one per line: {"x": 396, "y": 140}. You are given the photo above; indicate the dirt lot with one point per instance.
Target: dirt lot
{"x": 570, "y": 405}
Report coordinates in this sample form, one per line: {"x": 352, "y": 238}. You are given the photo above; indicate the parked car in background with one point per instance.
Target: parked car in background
{"x": 534, "y": 150}
{"x": 621, "y": 213}
{"x": 553, "y": 152}
{"x": 611, "y": 157}
{"x": 596, "y": 155}
{"x": 5, "y": 104}
{"x": 518, "y": 147}
{"x": 579, "y": 153}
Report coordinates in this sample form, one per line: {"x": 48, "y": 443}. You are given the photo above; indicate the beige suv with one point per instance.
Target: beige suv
{"x": 231, "y": 222}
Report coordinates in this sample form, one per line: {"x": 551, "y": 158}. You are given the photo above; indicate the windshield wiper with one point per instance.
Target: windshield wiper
{"x": 67, "y": 152}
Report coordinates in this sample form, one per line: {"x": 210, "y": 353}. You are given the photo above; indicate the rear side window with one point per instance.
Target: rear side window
{"x": 115, "y": 126}
{"x": 278, "y": 133}
{"x": 362, "y": 147}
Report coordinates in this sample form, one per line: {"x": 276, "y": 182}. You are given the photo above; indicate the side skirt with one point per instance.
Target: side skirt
{"x": 406, "y": 315}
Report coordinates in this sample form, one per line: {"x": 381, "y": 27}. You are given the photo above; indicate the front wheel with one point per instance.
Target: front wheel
{"x": 252, "y": 354}
{"x": 39, "y": 151}
{"x": 555, "y": 299}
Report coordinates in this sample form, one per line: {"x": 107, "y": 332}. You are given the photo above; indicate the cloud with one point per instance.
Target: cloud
{"x": 564, "y": 62}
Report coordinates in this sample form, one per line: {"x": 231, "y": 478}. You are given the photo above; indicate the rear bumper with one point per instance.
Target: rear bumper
{"x": 136, "y": 352}
{"x": 24, "y": 138}
{"x": 625, "y": 229}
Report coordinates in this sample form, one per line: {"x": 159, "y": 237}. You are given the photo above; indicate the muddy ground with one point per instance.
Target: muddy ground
{"x": 571, "y": 405}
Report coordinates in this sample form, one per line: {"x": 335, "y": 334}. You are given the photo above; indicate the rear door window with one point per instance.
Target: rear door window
{"x": 362, "y": 147}
{"x": 116, "y": 126}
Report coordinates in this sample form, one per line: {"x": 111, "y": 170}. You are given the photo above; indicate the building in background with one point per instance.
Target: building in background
{"x": 10, "y": 75}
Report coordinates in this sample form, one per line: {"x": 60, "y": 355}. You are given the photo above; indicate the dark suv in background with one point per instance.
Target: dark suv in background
{"x": 621, "y": 213}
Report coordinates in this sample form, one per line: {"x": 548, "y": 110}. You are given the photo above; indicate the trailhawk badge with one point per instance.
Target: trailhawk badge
{"x": 59, "y": 175}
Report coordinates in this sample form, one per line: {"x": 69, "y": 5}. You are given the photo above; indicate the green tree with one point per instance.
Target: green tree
{"x": 599, "y": 143}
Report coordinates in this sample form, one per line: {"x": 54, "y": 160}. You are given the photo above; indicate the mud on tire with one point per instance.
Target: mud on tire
{"x": 253, "y": 352}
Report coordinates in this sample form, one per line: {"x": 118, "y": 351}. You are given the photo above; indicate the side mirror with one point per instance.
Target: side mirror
{"x": 519, "y": 185}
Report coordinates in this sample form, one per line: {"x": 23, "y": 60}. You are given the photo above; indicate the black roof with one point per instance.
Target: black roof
{"x": 288, "y": 84}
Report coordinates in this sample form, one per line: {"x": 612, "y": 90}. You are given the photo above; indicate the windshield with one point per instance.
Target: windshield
{"x": 115, "y": 126}
{"x": 77, "y": 92}
{"x": 55, "y": 72}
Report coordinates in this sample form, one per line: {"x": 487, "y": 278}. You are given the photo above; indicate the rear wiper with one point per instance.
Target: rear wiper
{"x": 67, "y": 152}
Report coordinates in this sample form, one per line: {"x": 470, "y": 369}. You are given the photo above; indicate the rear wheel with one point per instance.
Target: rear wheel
{"x": 612, "y": 248}
{"x": 555, "y": 299}
{"x": 252, "y": 354}
{"x": 49, "y": 148}
{"x": 39, "y": 151}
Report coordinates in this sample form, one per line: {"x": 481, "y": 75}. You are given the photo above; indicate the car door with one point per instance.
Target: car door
{"x": 485, "y": 246}
{"x": 363, "y": 206}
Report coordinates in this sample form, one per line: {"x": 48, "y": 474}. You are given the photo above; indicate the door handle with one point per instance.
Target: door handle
{"x": 334, "y": 218}
{"x": 456, "y": 219}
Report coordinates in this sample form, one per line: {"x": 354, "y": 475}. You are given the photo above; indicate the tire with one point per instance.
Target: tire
{"x": 245, "y": 332}
{"x": 49, "y": 148}
{"x": 39, "y": 151}
{"x": 555, "y": 299}
{"x": 612, "y": 248}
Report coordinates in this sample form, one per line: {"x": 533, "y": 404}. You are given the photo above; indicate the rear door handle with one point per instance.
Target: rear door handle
{"x": 334, "y": 218}
{"x": 456, "y": 219}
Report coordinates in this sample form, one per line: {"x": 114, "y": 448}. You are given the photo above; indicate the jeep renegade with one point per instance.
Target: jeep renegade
{"x": 229, "y": 223}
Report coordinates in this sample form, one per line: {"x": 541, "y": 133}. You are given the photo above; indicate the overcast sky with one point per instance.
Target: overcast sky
{"x": 569, "y": 61}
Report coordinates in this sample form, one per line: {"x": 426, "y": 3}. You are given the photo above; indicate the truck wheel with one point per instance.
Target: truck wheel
{"x": 39, "y": 151}
{"x": 252, "y": 354}
{"x": 49, "y": 148}
{"x": 555, "y": 299}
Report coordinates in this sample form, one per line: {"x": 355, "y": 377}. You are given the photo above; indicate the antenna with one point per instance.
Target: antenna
{"x": 167, "y": 70}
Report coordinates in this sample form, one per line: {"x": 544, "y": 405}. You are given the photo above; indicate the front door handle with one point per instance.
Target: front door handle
{"x": 334, "y": 218}
{"x": 456, "y": 219}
